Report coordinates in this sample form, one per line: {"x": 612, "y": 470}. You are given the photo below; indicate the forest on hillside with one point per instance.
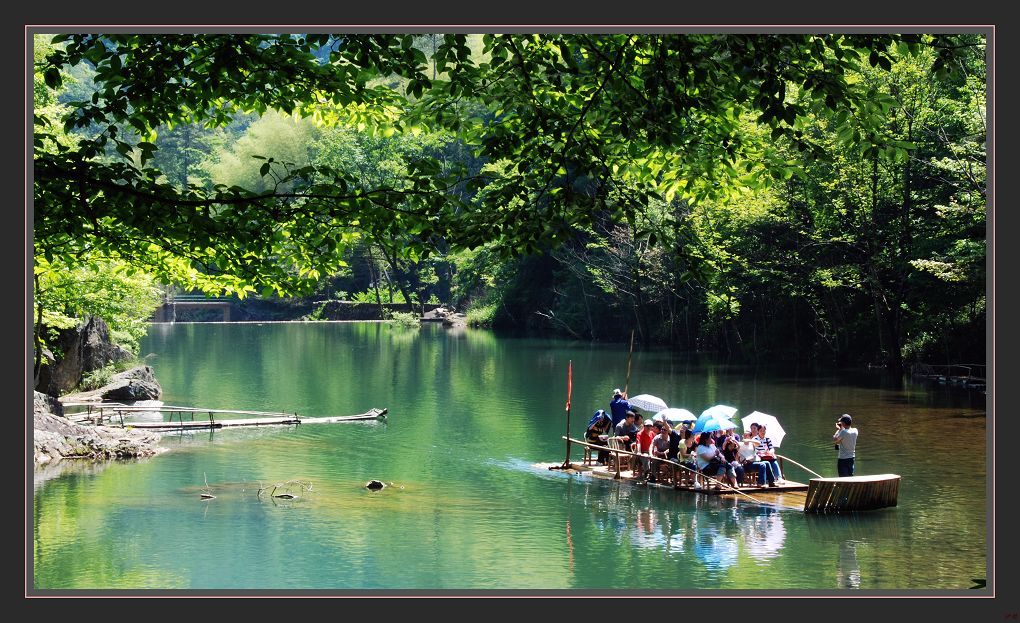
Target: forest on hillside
{"x": 769, "y": 197}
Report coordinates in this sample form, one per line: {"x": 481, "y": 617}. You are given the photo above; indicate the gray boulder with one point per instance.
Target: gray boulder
{"x": 44, "y": 403}
{"x": 134, "y": 384}
{"x": 85, "y": 348}
{"x": 128, "y": 386}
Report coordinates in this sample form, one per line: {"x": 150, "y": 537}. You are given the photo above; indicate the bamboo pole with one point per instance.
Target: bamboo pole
{"x": 626, "y": 385}
{"x": 780, "y": 456}
{"x": 570, "y": 386}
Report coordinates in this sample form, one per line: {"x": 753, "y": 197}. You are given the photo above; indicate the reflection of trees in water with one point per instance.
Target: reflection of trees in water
{"x": 44, "y": 472}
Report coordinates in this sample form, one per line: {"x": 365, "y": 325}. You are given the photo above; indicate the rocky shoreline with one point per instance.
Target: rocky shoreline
{"x": 55, "y": 437}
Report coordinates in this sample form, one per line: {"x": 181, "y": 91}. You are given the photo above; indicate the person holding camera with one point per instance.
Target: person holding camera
{"x": 846, "y": 444}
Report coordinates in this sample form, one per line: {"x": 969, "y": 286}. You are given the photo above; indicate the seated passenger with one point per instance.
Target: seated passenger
{"x": 764, "y": 450}
{"x": 676, "y": 440}
{"x": 731, "y": 453}
{"x": 644, "y": 445}
{"x": 749, "y": 458}
{"x": 626, "y": 432}
{"x": 746, "y": 451}
{"x": 710, "y": 461}
{"x": 660, "y": 448}
{"x": 598, "y": 432}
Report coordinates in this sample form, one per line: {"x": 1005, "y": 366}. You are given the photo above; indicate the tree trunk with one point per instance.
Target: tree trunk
{"x": 37, "y": 368}
{"x": 392, "y": 261}
{"x": 375, "y": 282}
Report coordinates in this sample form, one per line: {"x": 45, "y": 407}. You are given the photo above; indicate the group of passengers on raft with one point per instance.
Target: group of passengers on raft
{"x": 724, "y": 455}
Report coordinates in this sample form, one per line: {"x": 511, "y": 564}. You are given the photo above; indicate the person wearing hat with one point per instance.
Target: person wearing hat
{"x": 846, "y": 443}
{"x": 619, "y": 406}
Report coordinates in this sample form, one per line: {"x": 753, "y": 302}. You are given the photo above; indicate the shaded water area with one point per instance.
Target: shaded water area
{"x": 470, "y": 414}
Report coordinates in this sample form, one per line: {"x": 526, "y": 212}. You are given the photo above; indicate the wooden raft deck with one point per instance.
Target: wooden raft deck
{"x": 852, "y": 493}
{"x": 684, "y": 483}
{"x": 604, "y": 471}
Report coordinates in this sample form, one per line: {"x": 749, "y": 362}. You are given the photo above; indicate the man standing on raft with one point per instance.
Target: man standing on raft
{"x": 846, "y": 443}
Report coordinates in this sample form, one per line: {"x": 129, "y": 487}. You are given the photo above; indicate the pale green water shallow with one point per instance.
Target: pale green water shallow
{"x": 470, "y": 415}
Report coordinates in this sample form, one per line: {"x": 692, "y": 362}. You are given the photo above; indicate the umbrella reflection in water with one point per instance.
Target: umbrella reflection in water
{"x": 764, "y": 535}
{"x": 714, "y": 549}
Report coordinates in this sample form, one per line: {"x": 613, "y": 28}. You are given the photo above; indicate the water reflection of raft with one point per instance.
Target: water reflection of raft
{"x": 824, "y": 495}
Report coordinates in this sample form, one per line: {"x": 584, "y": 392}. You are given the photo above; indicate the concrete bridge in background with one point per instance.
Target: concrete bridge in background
{"x": 228, "y": 308}
{"x": 167, "y": 312}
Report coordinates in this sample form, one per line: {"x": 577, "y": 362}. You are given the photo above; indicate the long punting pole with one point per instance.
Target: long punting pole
{"x": 570, "y": 387}
{"x": 626, "y": 385}
{"x": 786, "y": 458}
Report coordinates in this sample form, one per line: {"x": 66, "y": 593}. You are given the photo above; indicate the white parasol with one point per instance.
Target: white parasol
{"x": 773, "y": 429}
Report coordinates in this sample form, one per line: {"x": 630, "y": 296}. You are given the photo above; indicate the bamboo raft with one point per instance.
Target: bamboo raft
{"x": 824, "y": 495}
{"x": 686, "y": 484}
{"x": 97, "y": 413}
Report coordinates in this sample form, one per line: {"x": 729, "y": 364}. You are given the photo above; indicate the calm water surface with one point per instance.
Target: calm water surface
{"x": 470, "y": 416}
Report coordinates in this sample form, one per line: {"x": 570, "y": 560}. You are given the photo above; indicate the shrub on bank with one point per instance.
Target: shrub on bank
{"x": 405, "y": 319}
{"x": 481, "y": 315}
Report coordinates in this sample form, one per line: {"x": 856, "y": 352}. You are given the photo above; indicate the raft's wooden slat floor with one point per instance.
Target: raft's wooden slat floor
{"x": 601, "y": 471}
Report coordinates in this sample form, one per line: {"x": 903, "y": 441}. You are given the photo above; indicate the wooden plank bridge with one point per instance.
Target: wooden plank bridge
{"x": 115, "y": 412}
{"x": 971, "y": 375}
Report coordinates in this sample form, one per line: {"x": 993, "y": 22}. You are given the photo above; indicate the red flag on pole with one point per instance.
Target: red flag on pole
{"x": 570, "y": 381}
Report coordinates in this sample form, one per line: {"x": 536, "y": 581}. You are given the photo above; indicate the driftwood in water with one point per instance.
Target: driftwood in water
{"x": 284, "y": 490}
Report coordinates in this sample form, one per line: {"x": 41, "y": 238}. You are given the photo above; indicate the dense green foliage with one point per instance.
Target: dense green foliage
{"x": 124, "y": 297}
{"x": 799, "y": 195}
{"x": 865, "y": 255}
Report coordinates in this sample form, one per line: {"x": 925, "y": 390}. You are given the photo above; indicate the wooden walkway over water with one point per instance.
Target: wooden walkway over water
{"x": 115, "y": 412}
{"x": 970, "y": 375}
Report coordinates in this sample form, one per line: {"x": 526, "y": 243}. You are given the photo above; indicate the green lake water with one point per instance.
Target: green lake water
{"x": 470, "y": 416}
